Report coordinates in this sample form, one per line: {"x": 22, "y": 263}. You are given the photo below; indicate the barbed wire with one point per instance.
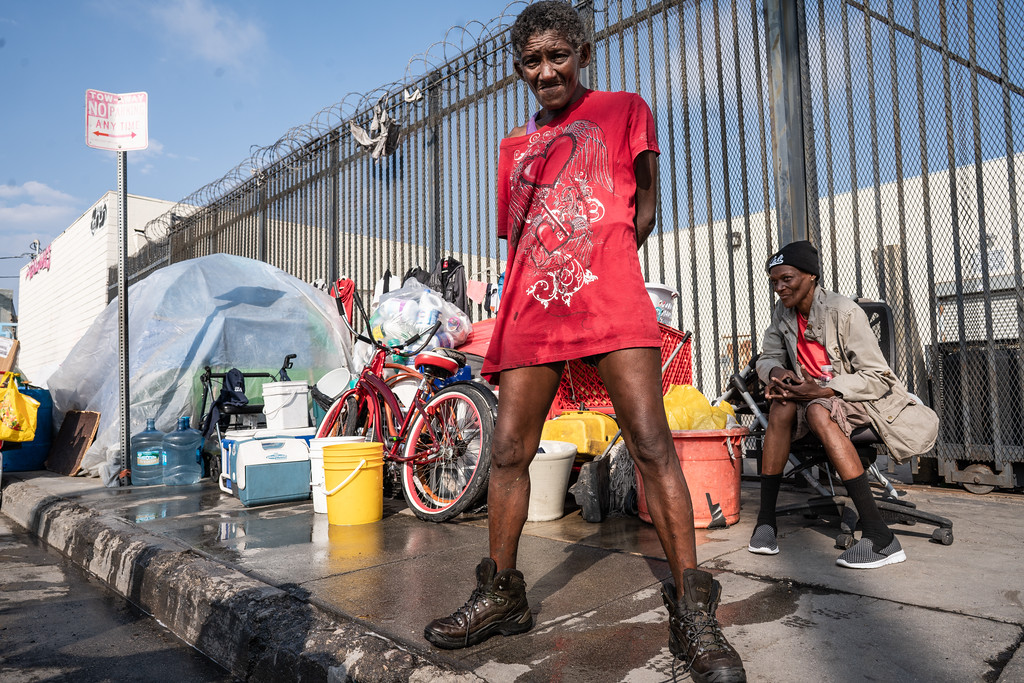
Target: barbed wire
{"x": 476, "y": 43}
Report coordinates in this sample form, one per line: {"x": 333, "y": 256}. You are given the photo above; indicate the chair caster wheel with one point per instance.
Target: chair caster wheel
{"x": 844, "y": 541}
{"x": 943, "y": 536}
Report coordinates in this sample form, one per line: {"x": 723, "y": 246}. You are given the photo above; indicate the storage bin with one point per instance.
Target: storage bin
{"x": 712, "y": 462}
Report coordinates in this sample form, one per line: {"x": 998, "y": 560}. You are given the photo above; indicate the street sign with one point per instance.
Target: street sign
{"x": 118, "y": 123}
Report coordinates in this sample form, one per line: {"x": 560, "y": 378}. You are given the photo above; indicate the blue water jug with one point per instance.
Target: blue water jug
{"x": 148, "y": 456}
{"x": 183, "y": 455}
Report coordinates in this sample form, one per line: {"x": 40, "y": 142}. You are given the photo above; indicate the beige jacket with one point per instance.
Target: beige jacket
{"x": 860, "y": 372}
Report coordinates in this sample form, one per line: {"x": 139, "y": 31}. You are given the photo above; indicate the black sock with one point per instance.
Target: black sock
{"x": 769, "y": 497}
{"x": 871, "y": 523}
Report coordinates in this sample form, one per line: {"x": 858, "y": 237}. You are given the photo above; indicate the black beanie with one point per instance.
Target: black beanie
{"x": 801, "y": 255}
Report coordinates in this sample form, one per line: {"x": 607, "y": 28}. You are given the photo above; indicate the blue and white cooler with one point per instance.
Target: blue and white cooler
{"x": 266, "y": 466}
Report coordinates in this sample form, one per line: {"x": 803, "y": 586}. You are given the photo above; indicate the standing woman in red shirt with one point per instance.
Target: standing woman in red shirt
{"x": 577, "y": 193}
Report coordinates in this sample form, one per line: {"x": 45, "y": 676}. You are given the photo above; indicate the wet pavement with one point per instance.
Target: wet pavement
{"x": 949, "y": 613}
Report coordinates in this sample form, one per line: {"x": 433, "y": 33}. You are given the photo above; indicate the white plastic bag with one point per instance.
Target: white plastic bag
{"x": 414, "y": 309}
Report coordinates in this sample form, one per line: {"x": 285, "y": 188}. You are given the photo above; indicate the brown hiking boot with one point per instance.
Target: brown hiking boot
{"x": 498, "y": 605}
{"x": 695, "y": 637}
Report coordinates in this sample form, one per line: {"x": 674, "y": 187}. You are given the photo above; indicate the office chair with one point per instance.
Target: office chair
{"x": 746, "y": 392}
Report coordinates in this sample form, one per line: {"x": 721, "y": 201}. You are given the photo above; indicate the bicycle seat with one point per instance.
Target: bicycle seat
{"x": 436, "y": 364}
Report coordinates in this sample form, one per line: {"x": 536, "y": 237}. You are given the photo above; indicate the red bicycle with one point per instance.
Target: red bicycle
{"x": 438, "y": 448}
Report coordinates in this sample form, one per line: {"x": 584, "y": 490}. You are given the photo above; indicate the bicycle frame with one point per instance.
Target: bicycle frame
{"x": 371, "y": 391}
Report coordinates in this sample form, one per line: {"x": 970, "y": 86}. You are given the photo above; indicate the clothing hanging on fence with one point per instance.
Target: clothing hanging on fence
{"x": 449, "y": 280}
{"x": 385, "y": 285}
{"x": 416, "y": 273}
{"x": 344, "y": 289}
{"x": 492, "y": 298}
{"x": 384, "y": 134}
{"x": 476, "y": 290}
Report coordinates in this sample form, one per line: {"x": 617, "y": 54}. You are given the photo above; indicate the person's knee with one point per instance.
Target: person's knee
{"x": 509, "y": 454}
{"x": 819, "y": 419}
{"x": 652, "y": 448}
{"x": 782, "y": 415}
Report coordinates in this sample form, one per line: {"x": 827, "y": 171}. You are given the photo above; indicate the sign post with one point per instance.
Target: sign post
{"x": 119, "y": 123}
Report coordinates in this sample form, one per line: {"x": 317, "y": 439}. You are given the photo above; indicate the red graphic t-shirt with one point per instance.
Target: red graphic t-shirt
{"x": 566, "y": 202}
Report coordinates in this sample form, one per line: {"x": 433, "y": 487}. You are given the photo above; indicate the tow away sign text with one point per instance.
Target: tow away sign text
{"x": 116, "y": 122}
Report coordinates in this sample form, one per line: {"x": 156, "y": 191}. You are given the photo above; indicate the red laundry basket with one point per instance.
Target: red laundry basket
{"x": 590, "y": 390}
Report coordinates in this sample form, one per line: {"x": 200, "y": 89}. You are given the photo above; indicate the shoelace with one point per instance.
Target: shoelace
{"x": 698, "y": 627}
{"x": 467, "y": 610}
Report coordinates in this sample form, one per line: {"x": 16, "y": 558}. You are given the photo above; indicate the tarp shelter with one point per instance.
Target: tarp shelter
{"x": 221, "y": 310}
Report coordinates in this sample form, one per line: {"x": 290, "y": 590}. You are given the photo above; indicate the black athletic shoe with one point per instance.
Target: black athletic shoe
{"x": 864, "y": 556}
{"x": 694, "y": 634}
{"x": 763, "y": 540}
{"x": 497, "y": 606}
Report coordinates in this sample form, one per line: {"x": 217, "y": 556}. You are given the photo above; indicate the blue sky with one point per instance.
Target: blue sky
{"x": 221, "y": 76}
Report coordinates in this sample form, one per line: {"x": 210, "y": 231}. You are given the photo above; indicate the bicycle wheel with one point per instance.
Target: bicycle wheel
{"x": 452, "y": 448}
{"x": 344, "y": 419}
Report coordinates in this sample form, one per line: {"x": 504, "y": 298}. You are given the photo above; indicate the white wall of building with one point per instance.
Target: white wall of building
{"x": 65, "y": 288}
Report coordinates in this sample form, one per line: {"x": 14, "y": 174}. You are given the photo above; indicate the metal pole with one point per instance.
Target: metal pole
{"x": 786, "y": 101}
{"x": 334, "y": 222}
{"x": 434, "y": 166}
{"x": 122, "y": 310}
{"x": 261, "y": 221}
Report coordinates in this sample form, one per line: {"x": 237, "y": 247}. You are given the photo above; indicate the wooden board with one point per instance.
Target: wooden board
{"x": 8, "y": 351}
{"x": 73, "y": 440}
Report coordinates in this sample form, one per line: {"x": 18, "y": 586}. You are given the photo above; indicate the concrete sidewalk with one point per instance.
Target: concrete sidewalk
{"x": 275, "y": 593}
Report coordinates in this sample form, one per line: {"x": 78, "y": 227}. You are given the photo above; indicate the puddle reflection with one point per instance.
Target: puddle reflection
{"x": 333, "y": 543}
{"x": 254, "y": 532}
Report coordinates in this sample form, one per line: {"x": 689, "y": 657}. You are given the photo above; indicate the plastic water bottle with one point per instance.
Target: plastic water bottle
{"x": 148, "y": 456}
{"x": 183, "y": 459}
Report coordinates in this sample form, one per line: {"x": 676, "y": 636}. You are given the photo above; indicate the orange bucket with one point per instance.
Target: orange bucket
{"x": 712, "y": 464}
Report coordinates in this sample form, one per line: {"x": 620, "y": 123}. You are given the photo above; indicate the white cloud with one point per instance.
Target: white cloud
{"x": 34, "y": 210}
{"x": 215, "y": 34}
{"x": 36, "y": 191}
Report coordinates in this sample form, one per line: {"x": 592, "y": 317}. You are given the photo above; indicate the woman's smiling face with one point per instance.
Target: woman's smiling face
{"x": 550, "y": 66}
{"x": 794, "y": 287}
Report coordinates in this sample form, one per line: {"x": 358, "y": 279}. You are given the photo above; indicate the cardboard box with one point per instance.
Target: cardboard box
{"x": 8, "y": 352}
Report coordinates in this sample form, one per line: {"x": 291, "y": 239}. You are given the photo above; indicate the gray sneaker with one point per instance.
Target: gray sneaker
{"x": 864, "y": 556}
{"x": 762, "y": 541}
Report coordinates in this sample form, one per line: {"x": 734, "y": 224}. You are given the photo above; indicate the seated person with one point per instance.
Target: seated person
{"x": 825, "y": 373}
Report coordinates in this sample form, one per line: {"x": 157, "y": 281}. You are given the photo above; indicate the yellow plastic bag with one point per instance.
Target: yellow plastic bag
{"x": 687, "y": 408}
{"x": 17, "y": 412}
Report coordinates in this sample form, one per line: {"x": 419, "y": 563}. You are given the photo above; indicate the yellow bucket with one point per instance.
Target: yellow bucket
{"x": 354, "y": 482}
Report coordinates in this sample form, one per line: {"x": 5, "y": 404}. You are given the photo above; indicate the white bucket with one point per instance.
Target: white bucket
{"x": 664, "y": 299}
{"x": 285, "y": 404}
{"x": 316, "y": 467}
{"x": 549, "y": 480}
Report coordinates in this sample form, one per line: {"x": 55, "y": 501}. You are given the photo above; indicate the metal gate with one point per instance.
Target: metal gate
{"x": 886, "y": 132}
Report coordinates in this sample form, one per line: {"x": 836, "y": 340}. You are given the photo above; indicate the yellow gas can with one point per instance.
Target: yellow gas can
{"x": 590, "y": 430}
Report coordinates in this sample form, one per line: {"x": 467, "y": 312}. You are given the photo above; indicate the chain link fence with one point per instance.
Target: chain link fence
{"x": 908, "y": 119}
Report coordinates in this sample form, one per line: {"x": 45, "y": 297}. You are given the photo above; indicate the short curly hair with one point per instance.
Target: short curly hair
{"x": 548, "y": 15}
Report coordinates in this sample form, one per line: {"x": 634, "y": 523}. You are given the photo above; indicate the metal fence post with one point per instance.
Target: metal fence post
{"x": 333, "y": 222}
{"x": 434, "y": 165}
{"x": 586, "y": 10}
{"x": 261, "y": 212}
{"x": 781, "y": 25}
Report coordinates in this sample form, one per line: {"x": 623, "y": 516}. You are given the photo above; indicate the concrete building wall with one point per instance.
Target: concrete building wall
{"x": 63, "y": 290}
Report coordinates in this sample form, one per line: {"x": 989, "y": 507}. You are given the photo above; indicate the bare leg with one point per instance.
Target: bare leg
{"x": 778, "y": 437}
{"x": 633, "y": 379}
{"x": 840, "y": 450}
{"x": 526, "y": 395}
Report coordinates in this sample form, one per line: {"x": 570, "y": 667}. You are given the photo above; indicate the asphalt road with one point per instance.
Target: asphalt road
{"x": 59, "y": 624}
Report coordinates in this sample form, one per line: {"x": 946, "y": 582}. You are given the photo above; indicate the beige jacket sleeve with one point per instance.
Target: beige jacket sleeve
{"x": 865, "y": 375}
{"x": 773, "y": 349}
